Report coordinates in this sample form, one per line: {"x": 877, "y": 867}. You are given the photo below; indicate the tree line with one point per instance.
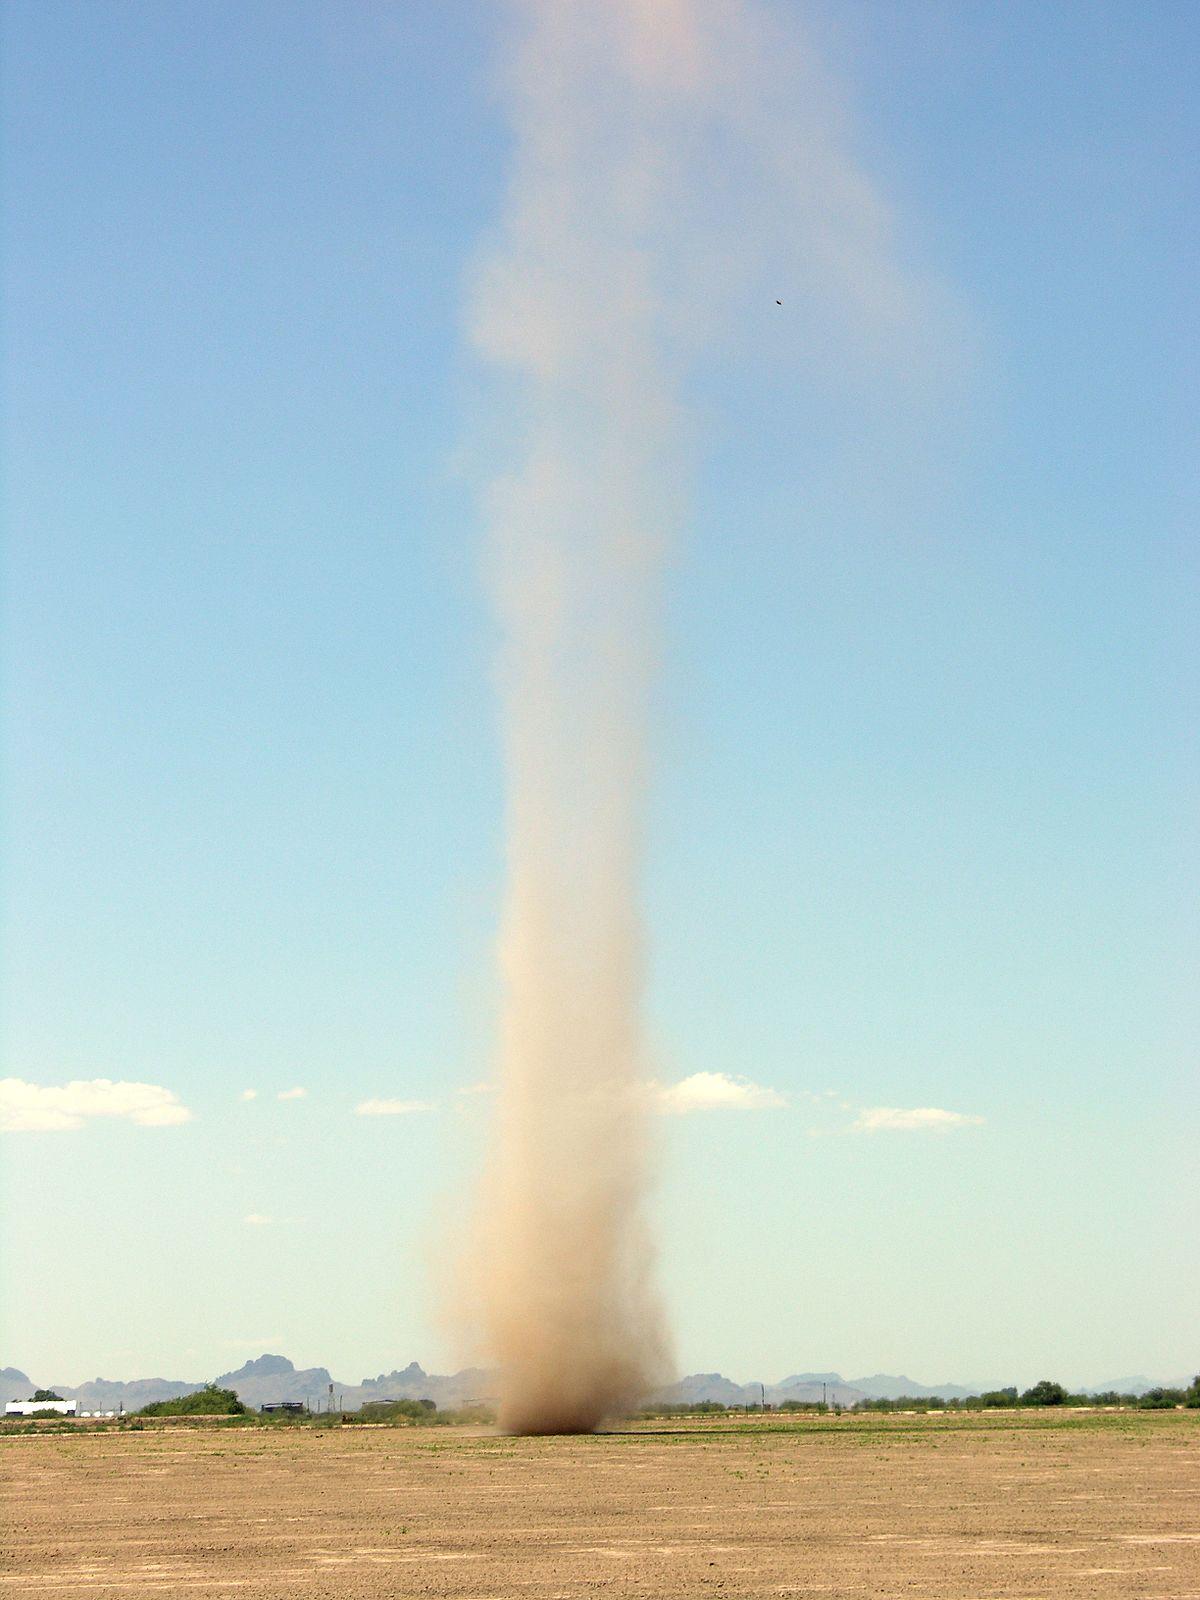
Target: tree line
{"x": 1045, "y": 1392}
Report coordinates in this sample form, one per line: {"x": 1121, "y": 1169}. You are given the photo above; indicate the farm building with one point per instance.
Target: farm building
{"x": 26, "y": 1408}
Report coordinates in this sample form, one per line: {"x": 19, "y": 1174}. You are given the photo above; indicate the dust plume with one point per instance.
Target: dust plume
{"x": 635, "y": 123}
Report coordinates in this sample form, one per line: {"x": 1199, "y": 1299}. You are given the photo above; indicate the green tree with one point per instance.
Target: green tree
{"x": 45, "y": 1394}
{"x": 1045, "y": 1393}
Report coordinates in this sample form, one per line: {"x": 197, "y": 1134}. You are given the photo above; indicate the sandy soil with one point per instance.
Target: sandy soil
{"x": 914, "y": 1507}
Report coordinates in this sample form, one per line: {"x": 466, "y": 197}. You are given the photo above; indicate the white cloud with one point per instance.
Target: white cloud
{"x": 391, "y": 1108}
{"x": 36, "y": 1108}
{"x": 873, "y": 1119}
{"x": 292, "y": 1094}
{"x": 714, "y": 1091}
{"x": 248, "y": 1094}
{"x": 255, "y": 1219}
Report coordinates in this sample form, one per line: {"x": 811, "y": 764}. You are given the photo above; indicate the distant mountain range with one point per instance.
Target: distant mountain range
{"x": 813, "y": 1386}
{"x": 267, "y": 1379}
{"x": 271, "y": 1377}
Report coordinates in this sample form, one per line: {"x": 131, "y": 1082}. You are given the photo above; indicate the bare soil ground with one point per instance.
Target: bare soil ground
{"x": 914, "y": 1507}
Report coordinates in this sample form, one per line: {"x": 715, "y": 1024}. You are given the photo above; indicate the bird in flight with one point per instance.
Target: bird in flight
{"x": 779, "y": 302}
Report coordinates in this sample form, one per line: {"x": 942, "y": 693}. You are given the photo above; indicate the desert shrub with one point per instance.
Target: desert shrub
{"x": 905, "y": 1402}
{"x": 54, "y": 1422}
{"x": 683, "y": 1408}
{"x": 207, "y": 1402}
{"x": 476, "y": 1416}
{"x": 394, "y": 1411}
{"x": 1161, "y": 1399}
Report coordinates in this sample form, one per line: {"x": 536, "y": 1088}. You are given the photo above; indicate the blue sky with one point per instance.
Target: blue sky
{"x": 923, "y": 829}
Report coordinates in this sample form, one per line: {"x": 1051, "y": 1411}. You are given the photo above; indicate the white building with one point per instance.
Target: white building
{"x": 26, "y": 1408}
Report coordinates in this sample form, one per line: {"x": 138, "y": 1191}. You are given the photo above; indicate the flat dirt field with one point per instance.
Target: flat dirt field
{"x": 1036, "y": 1504}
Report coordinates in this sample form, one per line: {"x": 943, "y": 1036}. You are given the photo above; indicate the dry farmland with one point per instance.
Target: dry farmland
{"x": 1035, "y": 1504}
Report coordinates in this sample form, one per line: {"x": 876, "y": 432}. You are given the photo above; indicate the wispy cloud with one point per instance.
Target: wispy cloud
{"x": 255, "y": 1219}
{"x": 391, "y": 1108}
{"x": 292, "y": 1094}
{"x": 876, "y": 1119}
{"x": 714, "y": 1091}
{"x": 43, "y": 1108}
{"x": 248, "y": 1094}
